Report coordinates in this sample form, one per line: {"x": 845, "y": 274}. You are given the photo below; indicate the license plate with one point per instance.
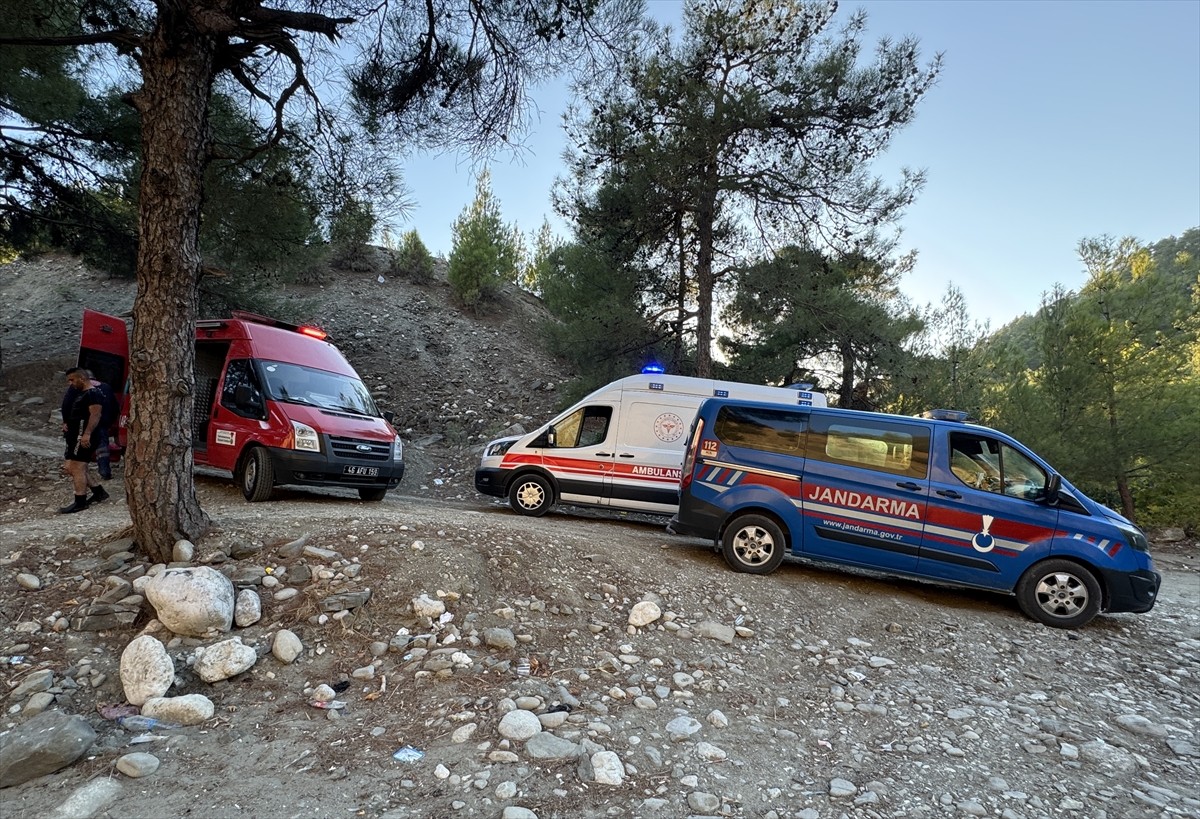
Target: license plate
{"x": 365, "y": 471}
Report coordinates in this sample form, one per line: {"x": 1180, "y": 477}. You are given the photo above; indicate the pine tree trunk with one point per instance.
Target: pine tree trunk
{"x": 177, "y": 72}
{"x": 705, "y": 285}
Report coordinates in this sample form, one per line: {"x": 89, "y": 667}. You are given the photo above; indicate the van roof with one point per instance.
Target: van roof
{"x": 712, "y": 388}
{"x": 276, "y": 342}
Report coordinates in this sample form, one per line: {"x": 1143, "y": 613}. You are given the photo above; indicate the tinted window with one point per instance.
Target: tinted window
{"x": 885, "y": 446}
{"x": 769, "y": 430}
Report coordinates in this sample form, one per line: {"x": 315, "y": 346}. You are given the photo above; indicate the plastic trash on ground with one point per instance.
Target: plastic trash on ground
{"x": 408, "y": 754}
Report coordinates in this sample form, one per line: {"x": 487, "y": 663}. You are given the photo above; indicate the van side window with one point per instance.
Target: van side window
{"x": 587, "y": 426}
{"x": 884, "y": 446}
{"x": 768, "y": 430}
{"x": 240, "y": 372}
{"x": 985, "y": 463}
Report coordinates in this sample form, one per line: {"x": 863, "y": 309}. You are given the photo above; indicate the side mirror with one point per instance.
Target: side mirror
{"x": 247, "y": 397}
{"x": 389, "y": 416}
{"x": 1050, "y": 495}
{"x": 550, "y": 437}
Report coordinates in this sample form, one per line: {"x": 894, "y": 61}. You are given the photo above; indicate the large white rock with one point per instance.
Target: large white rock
{"x": 190, "y": 709}
{"x": 286, "y": 646}
{"x": 193, "y": 602}
{"x": 147, "y": 671}
{"x": 223, "y": 660}
{"x": 248, "y": 609}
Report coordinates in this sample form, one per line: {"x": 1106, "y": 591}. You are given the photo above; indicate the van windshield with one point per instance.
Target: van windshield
{"x": 318, "y": 388}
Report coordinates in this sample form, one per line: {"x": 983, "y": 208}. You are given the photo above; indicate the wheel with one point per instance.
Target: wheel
{"x": 754, "y": 544}
{"x": 257, "y": 475}
{"x": 531, "y": 495}
{"x": 371, "y": 494}
{"x": 1059, "y": 594}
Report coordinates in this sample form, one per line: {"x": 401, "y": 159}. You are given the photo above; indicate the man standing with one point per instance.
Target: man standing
{"x": 80, "y": 420}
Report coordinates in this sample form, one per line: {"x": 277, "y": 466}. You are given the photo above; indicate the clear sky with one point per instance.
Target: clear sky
{"x": 1053, "y": 121}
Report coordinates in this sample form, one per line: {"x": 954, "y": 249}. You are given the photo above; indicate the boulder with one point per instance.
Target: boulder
{"x": 193, "y": 602}
{"x": 49, "y": 742}
{"x": 147, "y": 671}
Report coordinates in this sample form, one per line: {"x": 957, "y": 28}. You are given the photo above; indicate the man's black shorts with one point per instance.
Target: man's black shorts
{"x": 75, "y": 452}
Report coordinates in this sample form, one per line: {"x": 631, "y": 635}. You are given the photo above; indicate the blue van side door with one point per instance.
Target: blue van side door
{"x": 865, "y": 491}
{"x": 987, "y": 522}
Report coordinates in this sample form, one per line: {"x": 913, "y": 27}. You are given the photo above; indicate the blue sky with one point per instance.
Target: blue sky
{"x": 1052, "y": 121}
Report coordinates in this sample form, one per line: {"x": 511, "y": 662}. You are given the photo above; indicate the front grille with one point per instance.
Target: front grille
{"x": 348, "y": 449}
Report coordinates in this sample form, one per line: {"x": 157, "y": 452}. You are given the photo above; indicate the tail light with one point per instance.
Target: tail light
{"x": 689, "y": 457}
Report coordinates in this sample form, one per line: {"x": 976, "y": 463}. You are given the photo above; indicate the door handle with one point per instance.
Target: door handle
{"x": 626, "y": 455}
{"x": 603, "y": 454}
{"x": 948, "y": 493}
{"x": 908, "y": 485}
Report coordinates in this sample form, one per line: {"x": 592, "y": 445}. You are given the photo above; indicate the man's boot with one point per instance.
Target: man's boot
{"x": 99, "y": 493}
{"x": 81, "y": 503}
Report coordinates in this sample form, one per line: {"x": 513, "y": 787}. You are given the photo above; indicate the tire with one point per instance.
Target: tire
{"x": 753, "y": 544}
{"x": 371, "y": 494}
{"x": 1059, "y": 594}
{"x": 257, "y": 475}
{"x": 531, "y": 495}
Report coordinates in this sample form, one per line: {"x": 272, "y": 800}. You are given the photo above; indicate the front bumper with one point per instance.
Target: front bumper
{"x": 491, "y": 481}
{"x": 301, "y": 468}
{"x": 1135, "y": 591}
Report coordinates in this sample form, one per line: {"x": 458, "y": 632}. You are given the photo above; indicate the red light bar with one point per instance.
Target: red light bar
{"x": 315, "y": 332}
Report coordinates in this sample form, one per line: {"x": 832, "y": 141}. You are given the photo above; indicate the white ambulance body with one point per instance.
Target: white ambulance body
{"x": 621, "y": 447}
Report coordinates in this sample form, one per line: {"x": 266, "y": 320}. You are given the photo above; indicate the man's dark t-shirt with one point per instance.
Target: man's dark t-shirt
{"x": 79, "y": 410}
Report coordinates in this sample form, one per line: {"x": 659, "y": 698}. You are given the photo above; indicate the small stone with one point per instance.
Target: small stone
{"x": 147, "y": 670}
{"x": 842, "y": 788}
{"x": 38, "y": 681}
{"x": 644, "y": 613}
{"x": 607, "y": 768}
{"x": 286, "y": 646}
{"x": 248, "y": 609}
{"x": 188, "y": 709}
{"x": 519, "y": 725}
{"x": 703, "y": 802}
{"x": 501, "y": 638}
{"x": 183, "y": 551}
{"x": 137, "y": 765}
{"x": 426, "y": 606}
{"x": 223, "y": 660}
{"x": 285, "y": 594}
{"x": 29, "y": 581}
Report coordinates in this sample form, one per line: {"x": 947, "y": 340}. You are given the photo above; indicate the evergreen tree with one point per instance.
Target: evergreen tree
{"x": 484, "y": 254}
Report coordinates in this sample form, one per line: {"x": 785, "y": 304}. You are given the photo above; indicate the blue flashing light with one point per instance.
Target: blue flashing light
{"x": 653, "y": 368}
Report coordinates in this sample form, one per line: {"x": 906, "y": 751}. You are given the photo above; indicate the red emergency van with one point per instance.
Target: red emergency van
{"x": 275, "y": 404}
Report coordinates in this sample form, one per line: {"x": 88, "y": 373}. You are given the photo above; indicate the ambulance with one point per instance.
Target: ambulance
{"x": 934, "y": 498}
{"x": 275, "y": 404}
{"x": 620, "y": 447}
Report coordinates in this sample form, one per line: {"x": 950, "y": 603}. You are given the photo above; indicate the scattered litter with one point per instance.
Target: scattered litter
{"x": 445, "y": 617}
{"x": 137, "y": 722}
{"x": 141, "y": 738}
{"x": 408, "y": 754}
{"x": 16, "y": 660}
{"x": 340, "y": 687}
{"x": 328, "y": 705}
{"x": 523, "y": 668}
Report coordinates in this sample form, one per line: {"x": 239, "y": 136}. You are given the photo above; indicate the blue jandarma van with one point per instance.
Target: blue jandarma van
{"x": 932, "y": 498}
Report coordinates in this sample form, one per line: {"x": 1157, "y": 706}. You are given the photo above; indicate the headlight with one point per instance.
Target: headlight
{"x": 397, "y": 449}
{"x": 497, "y": 449}
{"x": 1136, "y": 539}
{"x": 305, "y": 437}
